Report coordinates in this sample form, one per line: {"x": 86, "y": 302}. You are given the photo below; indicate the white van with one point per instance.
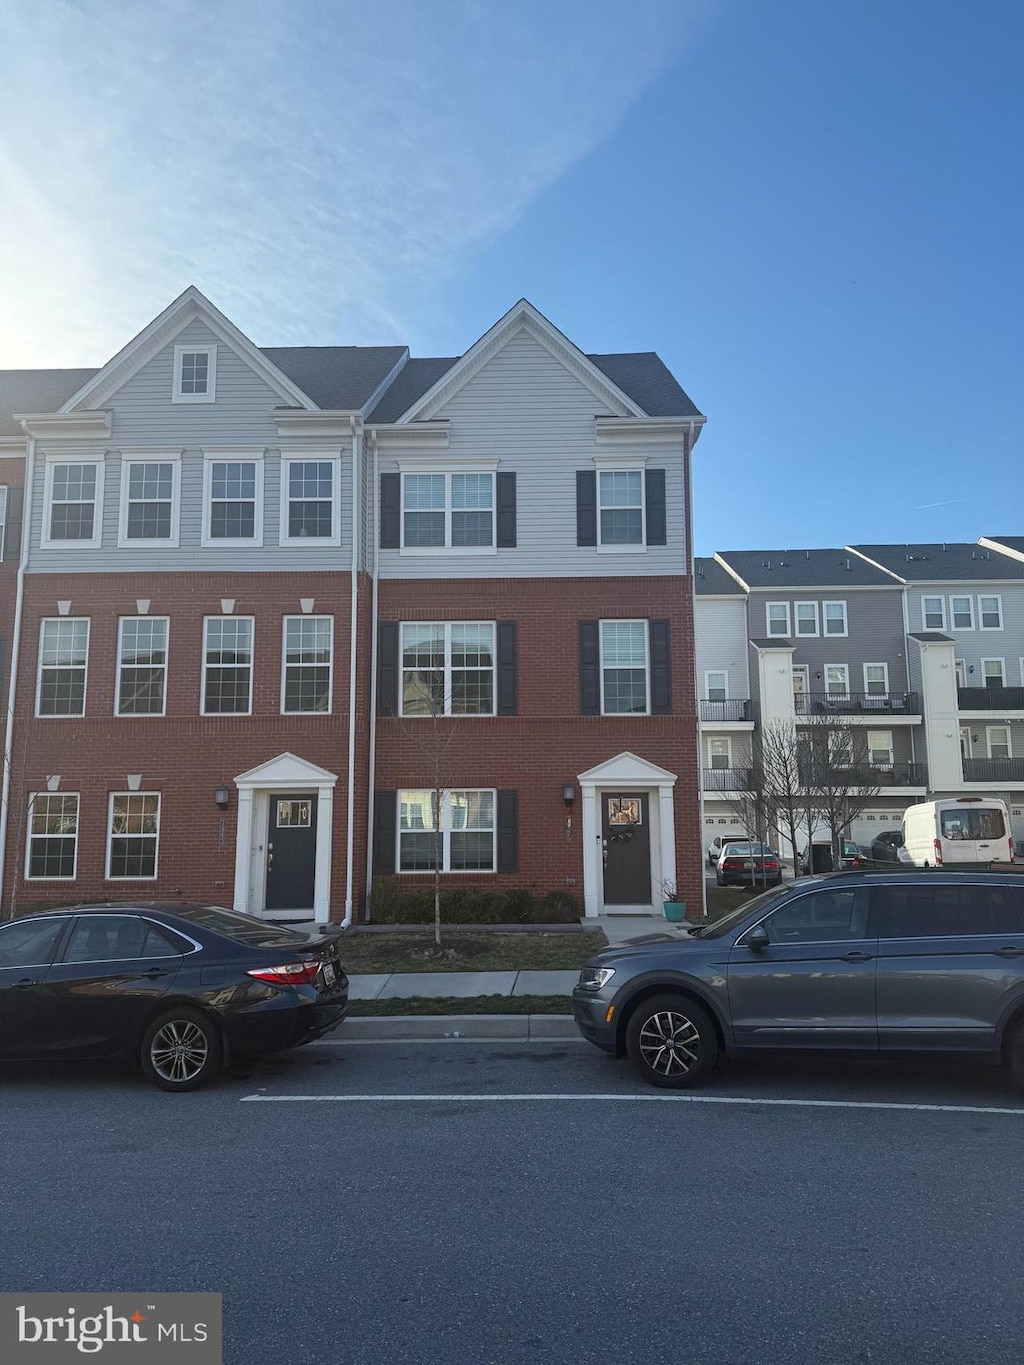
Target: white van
{"x": 967, "y": 829}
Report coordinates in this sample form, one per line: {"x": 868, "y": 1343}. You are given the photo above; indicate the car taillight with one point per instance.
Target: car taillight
{"x": 1013, "y": 854}
{"x": 770, "y": 862}
{"x": 732, "y": 862}
{"x": 289, "y": 974}
{"x": 937, "y": 845}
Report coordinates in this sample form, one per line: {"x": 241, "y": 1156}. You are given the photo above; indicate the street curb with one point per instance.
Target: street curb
{"x": 524, "y": 1027}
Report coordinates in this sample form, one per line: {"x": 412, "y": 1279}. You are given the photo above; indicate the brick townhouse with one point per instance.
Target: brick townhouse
{"x": 257, "y": 604}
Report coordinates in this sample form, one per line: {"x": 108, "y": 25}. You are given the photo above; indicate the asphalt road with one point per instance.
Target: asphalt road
{"x": 590, "y": 1226}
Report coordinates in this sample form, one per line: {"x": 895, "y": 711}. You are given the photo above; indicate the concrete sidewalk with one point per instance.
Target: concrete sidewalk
{"x": 402, "y": 985}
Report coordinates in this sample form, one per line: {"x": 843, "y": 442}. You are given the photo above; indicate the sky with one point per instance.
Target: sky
{"x": 812, "y": 212}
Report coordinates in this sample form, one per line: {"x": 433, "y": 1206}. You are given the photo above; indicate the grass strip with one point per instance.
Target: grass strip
{"x": 365, "y": 954}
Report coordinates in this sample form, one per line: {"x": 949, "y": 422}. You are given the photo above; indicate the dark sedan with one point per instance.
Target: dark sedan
{"x": 179, "y": 988}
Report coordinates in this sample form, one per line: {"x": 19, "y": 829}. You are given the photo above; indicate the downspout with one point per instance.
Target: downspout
{"x": 371, "y": 769}
{"x": 688, "y": 443}
{"x": 357, "y": 501}
{"x": 26, "y": 528}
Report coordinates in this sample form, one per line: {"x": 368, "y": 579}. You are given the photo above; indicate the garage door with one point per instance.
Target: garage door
{"x": 870, "y": 823}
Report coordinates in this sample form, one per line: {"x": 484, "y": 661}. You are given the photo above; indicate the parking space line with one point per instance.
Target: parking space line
{"x": 635, "y": 1099}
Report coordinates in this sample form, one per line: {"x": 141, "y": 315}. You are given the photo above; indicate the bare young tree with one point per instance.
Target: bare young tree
{"x": 752, "y": 808}
{"x": 837, "y": 774}
{"x": 780, "y": 761}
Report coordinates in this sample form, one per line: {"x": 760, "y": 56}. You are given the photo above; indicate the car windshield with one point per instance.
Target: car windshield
{"x": 759, "y": 903}
{"x": 746, "y": 848}
{"x": 237, "y": 926}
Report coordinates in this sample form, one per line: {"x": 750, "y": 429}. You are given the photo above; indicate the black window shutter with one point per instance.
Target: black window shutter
{"x": 508, "y": 831}
{"x": 387, "y": 668}
{"x": 661, "y": 669}
{"x": 506, "y": 511}
{"x": 506, "y": 668}
{"x": 586, "y": 507}
{"x": 390, "y": 511}
{"x": 12, "y": 531}
{"x": 590, "y": 669}
{"x": 655, "y": 498}
{"x": 385, "y": 806}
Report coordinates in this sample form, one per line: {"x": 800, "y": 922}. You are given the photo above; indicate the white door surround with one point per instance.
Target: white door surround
{"x": 289, "y": 773}
{"x": 627, "y": 772}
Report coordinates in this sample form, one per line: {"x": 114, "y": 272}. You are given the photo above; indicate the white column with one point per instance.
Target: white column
{"x": 243, "y": 849}
{"x": 593, "y": 864}
{"x": 667, "y": 831}
{"x": 322, "y": 866}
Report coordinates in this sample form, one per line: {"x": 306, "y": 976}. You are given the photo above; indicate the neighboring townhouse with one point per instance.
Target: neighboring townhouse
{"x": 266, "y": 600}
{"x": 964, "y": 607}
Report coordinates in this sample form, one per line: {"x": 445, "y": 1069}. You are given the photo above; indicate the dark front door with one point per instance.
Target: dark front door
{"x": 291, "y": 852}
{"x": 626, "y": 838}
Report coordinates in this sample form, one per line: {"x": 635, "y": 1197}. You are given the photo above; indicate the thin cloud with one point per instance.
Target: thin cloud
{"x": 312, "y": 166}
{"x": 947, "y": 502}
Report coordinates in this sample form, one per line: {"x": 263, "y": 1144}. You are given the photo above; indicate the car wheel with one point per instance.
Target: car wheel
{"x": 1015, "y": 1052}
{"x": 181, "y": 1050}
{"x": 671, "y": 1041}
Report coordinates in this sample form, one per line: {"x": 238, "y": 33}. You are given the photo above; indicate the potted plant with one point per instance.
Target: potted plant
{"x": 674, "y": 910}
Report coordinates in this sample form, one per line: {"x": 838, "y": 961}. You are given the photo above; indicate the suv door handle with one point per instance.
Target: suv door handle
{"x": 24, "y": 983}
{"x": 153, "y": 973}
{"x": 857, "y": 957}
{"x": 1009, "y": 952}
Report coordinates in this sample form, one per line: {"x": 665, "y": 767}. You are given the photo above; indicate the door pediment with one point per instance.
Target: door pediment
{"x": 286, "y": 770}
{"x": 627, "y": 769}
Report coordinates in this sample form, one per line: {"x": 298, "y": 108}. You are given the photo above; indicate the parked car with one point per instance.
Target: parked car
{"x": 885, "y": 846}
{"x": 852, "y": 856}
{"x": 960, "y": 830}
{"x": 715, "y": 847}
{"x": 874, "y": 962}
{"x": 747, "y": 864}
{"x": 178, "y": 988}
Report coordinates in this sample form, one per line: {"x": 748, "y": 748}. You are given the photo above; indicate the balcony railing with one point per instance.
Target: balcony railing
{"x": 733, "y": 709}
{"x": 857, "y": 703}
{"x": 726, "y": 779}
{"x": 990, "y": 698}
{"x": 865, "y": 775}
{"x": 994, "y": 769}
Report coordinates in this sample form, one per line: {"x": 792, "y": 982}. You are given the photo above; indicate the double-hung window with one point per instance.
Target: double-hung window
{"x": 834, "y": 617}
{"x": 308, "y": 658}
{"x": 716, "y": 685}
{"x": 448, "y": 511}
{"x": 142, "y": 666}
{"x": 310, "y": 488}
{"x": 933, "y": 613}
{"x": 990, "y": 613}
{"x": 233, "y": 500}
{"x": 837, "y": 681}
{"x": 997, "y": 738}
{"x": 620, "y": 507}
{"x": 133, "y": 836}
{"x": 149, "y": 500}
{"x": 880, "y": 748}
{"x": 806, "y": 618}
{"x": 777, "y": 619}
{"x": 876, "y": 679}
{"x": 720, "y": 752}
{"x": 961, "y": 611}
{"x": 73, "y": 510}
{"x": 468, "y": 830}
{"x": 63, "y": 661}
{"x": 993, "y": 672}
{"x": 625, "y": 675}
{"x": 227, "y": 666}
{"x": 52, "y": 836}
{"x": 448, "y": 668}
{"x": 195, "y": 374}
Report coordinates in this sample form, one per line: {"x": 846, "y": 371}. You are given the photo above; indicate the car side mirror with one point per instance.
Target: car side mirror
{"x": 757, "y": 939}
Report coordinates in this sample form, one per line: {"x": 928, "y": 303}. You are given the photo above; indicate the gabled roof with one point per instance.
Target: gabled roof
{"x": 940, "y": 563}
{"x": 711, "y": 580}
{"x": 342, "y": 377}
{"x": 649, "y": 382}
{"x": 35, "y": 391}
{"x": 416, "y": 376}
{"x": 931, "y": 637}
{"x": 785, "y": 570}
{"x": 1014, "y": 545}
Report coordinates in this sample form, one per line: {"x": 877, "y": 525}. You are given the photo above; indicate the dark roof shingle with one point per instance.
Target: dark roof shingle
{"x": 645, "y": 377}
{"x": 785, "y": 569}
{"x": 940, "y": 563}
{"x": 711, "y": 580}
{"x": 336, "y": 376}
{"x": 35, "y": 391}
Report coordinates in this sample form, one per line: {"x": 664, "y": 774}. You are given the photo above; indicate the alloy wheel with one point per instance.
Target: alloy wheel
{"x": 669, "y": 1043}
{"x": 179, "y": 1051}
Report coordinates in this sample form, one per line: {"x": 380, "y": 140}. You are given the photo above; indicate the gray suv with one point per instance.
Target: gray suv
{"x": 918, "y": 960}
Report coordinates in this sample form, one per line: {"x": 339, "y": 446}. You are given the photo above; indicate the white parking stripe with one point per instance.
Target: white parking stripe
{"x": 656, "y": 1097}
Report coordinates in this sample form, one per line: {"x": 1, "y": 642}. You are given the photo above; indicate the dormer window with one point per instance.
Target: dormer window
{"x": 195, "y": 374}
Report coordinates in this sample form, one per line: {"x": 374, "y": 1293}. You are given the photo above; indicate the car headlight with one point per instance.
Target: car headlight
{"x": 593, "y": 978}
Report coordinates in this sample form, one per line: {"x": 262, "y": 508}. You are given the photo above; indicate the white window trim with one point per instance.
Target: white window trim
{"x": 1004, "y": 729}
{"x": 140, "y": 715}
{"x": 288, "y": 458}
{"x": 448, "y": 713}
{"x": 210, "y": 395}
{"x": 802, "y": 671}
{"x": 448, "y": 548}
{"x": 1022, "y": 670}
{"x": 964, "y": 597}
{"x": 446, "y": 833}
{"x": 323, "y": 616}
{"x": 721, "y": 672}
{"x": 993, "y": 660}
{"x": 981, "y": 622}
{"x": 768, "y": 621}
{"x": 890, "y": 749}
{"x": 28, "y": 837}
{"x": 932, "y": 597}
{"x": 227, "y": 455}
{"x": 227, "y": 715}
{"x": 128, "y": 458}
{"x": 110, "y": 837}
{"x": 877, "y": 663}
{"x": 623, "y": 468}
{"x": 5, "y": 498}
{"x": 805, "y": 634}
{"x": 45, "y": 542}
{"x": 77, "y": 715}
{"x": 633, "y": 621}
{"x": 960, "y": 672}
{"x": 834, "y": 634}
{"x": 720, "y": 739}
{"x": 846, "y": 671}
